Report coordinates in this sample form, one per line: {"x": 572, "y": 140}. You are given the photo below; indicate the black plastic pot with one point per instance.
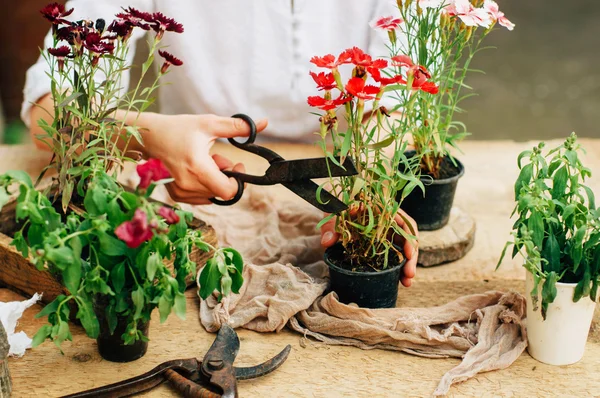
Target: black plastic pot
{"x": 111, "y": 347}
{"x": 432, "y": 211}
{"x": 366, "y": 289}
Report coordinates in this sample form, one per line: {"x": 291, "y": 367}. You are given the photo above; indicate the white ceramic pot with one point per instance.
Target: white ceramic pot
{"x": 561, "y": 338}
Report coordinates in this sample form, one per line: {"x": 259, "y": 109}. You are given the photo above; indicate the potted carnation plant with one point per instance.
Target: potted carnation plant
{"x": 442, "y": 37}
{"x": 365, "y": 266}
{"x": 558, "y": 234}
{"x": 108, "y": 246}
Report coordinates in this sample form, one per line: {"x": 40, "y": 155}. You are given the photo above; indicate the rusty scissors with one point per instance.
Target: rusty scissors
{"x": 295, "y": 175}
{"x": 214, "y": 376}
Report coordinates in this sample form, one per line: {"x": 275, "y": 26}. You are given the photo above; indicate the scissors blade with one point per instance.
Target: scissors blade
{"x": 307, "y": 190}
{"x": 307, "y": 169}
{"x": 264, "y": 368}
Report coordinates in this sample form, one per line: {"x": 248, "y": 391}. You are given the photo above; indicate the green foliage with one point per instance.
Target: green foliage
{"x": 558, "y": 226}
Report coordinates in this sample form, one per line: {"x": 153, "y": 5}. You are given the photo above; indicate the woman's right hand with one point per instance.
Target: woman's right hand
{"x": 183, "y": 142}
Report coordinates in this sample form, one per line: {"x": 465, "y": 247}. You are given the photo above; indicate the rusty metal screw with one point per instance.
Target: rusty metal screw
{"x": 215, "y": 364}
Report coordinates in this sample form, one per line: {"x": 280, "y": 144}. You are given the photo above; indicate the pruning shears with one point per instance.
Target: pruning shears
{"x": 212, "y": 377}
{"x": 295, "y": 175}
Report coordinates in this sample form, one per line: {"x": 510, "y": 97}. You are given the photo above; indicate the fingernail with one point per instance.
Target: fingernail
{"x": 327, "y": 236}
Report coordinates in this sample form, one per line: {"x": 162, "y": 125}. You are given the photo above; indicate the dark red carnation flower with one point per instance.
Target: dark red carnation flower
{"x": 169, "y": 215}
{"x": 327, "y": 61}
{"x": 93, "y": 42}
{"x": 170, "y": 59}
{"x": 355, "y": 56}
{"x": 325, "y": 81}
{"x": 121, "y": 28}
{"x": 65, "y": 34}
{"x": 356, "y": 86}
{"x": 151, "y": 171}
{"x": 327, "y": 104}
{"x": 137, "y": 18}
{"x": 60, "y": 52}
{"x": 136, "y": 231}
{"x": 162, "y": 23}
{"x": 383, "y": 80}
{"x": 55, "y": 13}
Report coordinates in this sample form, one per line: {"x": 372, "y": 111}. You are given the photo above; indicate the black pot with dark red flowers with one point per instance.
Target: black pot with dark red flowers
{"x": 431, "y": 209}
{"x": 368, "y": 287}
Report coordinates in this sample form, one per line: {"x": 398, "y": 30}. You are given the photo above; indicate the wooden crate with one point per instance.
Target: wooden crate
{"x": 19, "y": 274}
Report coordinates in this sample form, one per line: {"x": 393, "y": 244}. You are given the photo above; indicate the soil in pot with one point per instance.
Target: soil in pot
{"x": 111, "y": 346}
{"x": 354, "y": 281}
{"x": 432, "y": 211}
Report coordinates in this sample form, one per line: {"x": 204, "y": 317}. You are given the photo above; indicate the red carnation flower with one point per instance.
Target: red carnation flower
{"x": 386, "y": 23}
{"x": 55, "y": 13}
{"x": 170, "y": 59}
{"x": 327, "y": 61}
{"x": 429, "y": 87}
{"x": 325, "y": 81}
{"x": 151, "y": 171}
{"x": 356, "y": 56}
{"x": 93, "y": 42}
{"x": 65, "y": 34}
{"x": 169, "y": 215}
{"x": 136, "y": 231}
{"x": 403, "y": 60}
{"x": 379, "y": 64}
{"x": 162, "y": 23}
{"x": 385, "y": 81}
{"x": 327, "y": 104}
{"x": 356, "y": 86}
{"x": 420, "y": 75}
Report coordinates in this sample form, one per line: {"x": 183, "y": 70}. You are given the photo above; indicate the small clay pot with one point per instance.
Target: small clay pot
{"x": 432, "y": 211}
{"x": 377, "y": 289}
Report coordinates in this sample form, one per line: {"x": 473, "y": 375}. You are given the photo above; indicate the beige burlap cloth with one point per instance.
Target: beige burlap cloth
{"x": 285, "y": 279}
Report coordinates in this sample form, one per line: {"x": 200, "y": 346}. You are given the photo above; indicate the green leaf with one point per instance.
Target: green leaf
{"x": 560, "y": 183}
{"x": 111, "y": 246}
{"x": 346, "y": 144}
{"x": 226, "y": 285}
{"x": 551, "y": 253}
{"x": 179, "y": 306}
{"x": 384, "y": 143}
{"x": 51, "y": 307}
{"x": 42, "y": 334}
{"x": 70, "y": 98}
{"x": 588, "y": 191}
{"x": 72, "y": 276}
{"x": 521, "y": 156}
{"x": 577, "y": 247}
{"x": 88, "y": 318}
{"x": 523, "y": 179}
{"x": 583, "y": 287}
{"x": 549, "y": 289}
{"x": 62, "y": 257}
{"x": 358, "y": 185}
{"x": 20, "y": 176}
{"x": 164, "y": 308}
{"x": 536, "y": 227}
{"x": 111, "y": 318}
{"x": 209, "y": 278}
{"x": 154, "y": 261}
{"x": 137, "y": 296}
{"x": 117, "y": 276}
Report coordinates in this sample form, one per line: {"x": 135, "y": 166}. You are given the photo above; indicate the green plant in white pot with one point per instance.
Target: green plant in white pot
{"x": 558, "y": 234}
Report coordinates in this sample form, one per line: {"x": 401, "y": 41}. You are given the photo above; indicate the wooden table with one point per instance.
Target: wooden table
{"x": 315, "y": 370}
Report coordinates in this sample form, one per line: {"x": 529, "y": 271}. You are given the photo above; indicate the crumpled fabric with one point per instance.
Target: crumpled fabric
{"x": 10, "y": 313}
{"x": 285, "y": 283}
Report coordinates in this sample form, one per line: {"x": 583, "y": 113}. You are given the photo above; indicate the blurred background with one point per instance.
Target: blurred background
{"x": 541, "y": 81}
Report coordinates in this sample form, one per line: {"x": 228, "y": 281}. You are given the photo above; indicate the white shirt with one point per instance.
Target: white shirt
{"x": 243, "y": 56}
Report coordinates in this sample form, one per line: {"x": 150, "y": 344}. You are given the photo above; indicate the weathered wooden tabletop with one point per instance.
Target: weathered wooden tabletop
{"x": 315, "y": 370}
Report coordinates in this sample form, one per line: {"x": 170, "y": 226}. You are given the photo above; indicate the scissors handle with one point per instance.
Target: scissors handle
{"x": 252, "y": 135}
{"x": 235, "y": 199}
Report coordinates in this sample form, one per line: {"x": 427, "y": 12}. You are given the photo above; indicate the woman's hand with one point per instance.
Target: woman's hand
{"x": 329, "y": 237}
{"x": 183, "y": 142}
